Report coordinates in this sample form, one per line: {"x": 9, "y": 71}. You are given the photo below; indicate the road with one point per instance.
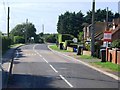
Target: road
{"x": 35, "y": 66}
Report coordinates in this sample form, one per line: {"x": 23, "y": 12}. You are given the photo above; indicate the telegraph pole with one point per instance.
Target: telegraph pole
{"x": 8, "y": 21}
{"x": 107, "y": 20}
{"x": 26, "y": 30}
{"x": 93, "y": 29}
{"x": 43, "y": 28}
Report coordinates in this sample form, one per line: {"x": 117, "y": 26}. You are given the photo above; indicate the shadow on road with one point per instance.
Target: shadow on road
{"x": 31, "y": 81}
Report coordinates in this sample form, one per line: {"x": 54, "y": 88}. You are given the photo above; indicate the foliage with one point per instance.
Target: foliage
{"x": 51, "y": 38}
{"x": 19, "y": 39}
{"x": 108, "y": 65}
{"x": 87, "y": 46}
{"x": 6, "y": 42}
{"x": 97, "y": 49}
{"x": 100, "y": 15}
{"x": 116, "y": 44}
{"x": 70, "y": 23}
{"x": 67, "y": 37}
{"x": 67, "y": 43}
{"x": 80, "y": 36}
{"x": 59, "y": 38}
{"x": 64, "y": 37}
{"x": 39, "y": 39}
{"x": 27, "y": 30}
{"x": 86, "y": 57}
{"x": 54, "y": 47}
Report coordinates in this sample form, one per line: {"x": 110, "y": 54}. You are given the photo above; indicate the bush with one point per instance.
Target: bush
{"x": 64, "y": 37}
{"x": 67, "y": 43}
{"x": 6, "y": 42}
{"x": 116, "y": 44}
{"x": 51, "y": 38}
{"x": 19, "y": 39}
{"x": 67, "y": 37}
{"x": 87, "y": 46}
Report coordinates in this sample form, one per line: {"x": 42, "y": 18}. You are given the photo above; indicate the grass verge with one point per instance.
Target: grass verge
{"x": 107, "y": 65}
{"x": 54, "y": 47}
{"x": 15, "y": 45}
{"x": 104, "y": 65}
{"x": 87, "y": 57}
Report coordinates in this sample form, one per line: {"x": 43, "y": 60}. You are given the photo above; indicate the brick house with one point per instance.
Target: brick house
{"x": 100, "y": 29}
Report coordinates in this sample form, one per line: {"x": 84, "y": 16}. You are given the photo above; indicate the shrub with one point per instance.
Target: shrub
{"x": 67, "y": 37}
{"x": 67, "y": 43}
{"x": 87, "y": 46}
{"x": 6, "y": 42}
{"x": 64, "y": 37}
{"x": 51, "y": 38}
{"x": 116, "y": 44}
{"x": 19, "y": 39}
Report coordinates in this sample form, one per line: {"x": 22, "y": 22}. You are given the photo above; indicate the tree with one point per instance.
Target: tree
{"x": 117, "y": 15}
{"x": 70, "y": 23}
{"x": 100, "y": 15}
{"x": 26, "y": 30}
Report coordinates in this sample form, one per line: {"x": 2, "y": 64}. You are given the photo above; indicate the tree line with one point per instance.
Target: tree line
{"x": 73, "y": 23}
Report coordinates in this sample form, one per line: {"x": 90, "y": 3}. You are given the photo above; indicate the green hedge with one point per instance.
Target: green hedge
{"x": 67, "y": 43}
{"x": 116, "y": 44}
{"x": 64, "y": 37}
{"x": 6, "y": 42}
{"x": 19, "y": 39}
{"x": 51, "y": 38}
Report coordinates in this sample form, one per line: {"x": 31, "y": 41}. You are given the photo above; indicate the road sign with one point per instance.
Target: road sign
{"x": 75, "y": 40}
{"x": 108, "y": 36}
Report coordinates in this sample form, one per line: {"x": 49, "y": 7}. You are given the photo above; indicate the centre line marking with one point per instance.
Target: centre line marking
{"x": 66, "y": 81}
{"x": 53, "y": 68}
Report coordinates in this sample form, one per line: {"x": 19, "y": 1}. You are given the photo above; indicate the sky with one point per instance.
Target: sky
{"x": 46, "y": 12}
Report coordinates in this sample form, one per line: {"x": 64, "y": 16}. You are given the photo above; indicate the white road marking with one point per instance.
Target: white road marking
{"x": 53, "y": 68}
{"x": 45, "y": 60}
{"x": 66, "y": 81}
{"x": 84, "y": 63}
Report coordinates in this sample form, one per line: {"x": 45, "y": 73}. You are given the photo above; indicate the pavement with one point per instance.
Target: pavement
{"x": 6, "y": 65}
{"x": 38, "y": 67}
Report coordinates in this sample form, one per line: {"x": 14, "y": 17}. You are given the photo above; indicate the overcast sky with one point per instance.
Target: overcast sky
{"x": 46, "y": 11}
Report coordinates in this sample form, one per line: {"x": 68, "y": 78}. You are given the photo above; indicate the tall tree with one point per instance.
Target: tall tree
{"x": 70, "y": 23}
{"x": 100, "y": 15}
{"x": 23, "y": 29}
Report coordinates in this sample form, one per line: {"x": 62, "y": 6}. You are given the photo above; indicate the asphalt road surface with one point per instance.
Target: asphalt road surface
{"x": 35, "y": 66}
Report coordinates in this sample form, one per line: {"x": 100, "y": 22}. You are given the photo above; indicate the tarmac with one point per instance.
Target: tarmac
{"x": 10, "y": 54}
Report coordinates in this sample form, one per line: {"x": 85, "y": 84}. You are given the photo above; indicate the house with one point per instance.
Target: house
{"x": 100, "y": 28}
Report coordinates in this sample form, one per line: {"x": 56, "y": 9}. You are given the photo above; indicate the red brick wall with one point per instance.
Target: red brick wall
{"x": 118, "y": 57}
{"x": 113, "y": 56}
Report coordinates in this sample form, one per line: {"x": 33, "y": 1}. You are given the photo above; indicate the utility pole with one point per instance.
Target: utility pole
{"x": 8, "y": 21}
{"x": 93, "y": 29}
{"x": 107, "y": 19}
{"x": 26, "y": 31}
{"x": 43, "y": 28}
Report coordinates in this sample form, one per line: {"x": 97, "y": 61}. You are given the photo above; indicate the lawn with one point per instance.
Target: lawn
{"x": 15, "y": 45}
{"x": 108, "y": 65}
{"x": 54, "y": 47}
{"x": 87, "y": 57}
{"x": 104, "y": 65}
